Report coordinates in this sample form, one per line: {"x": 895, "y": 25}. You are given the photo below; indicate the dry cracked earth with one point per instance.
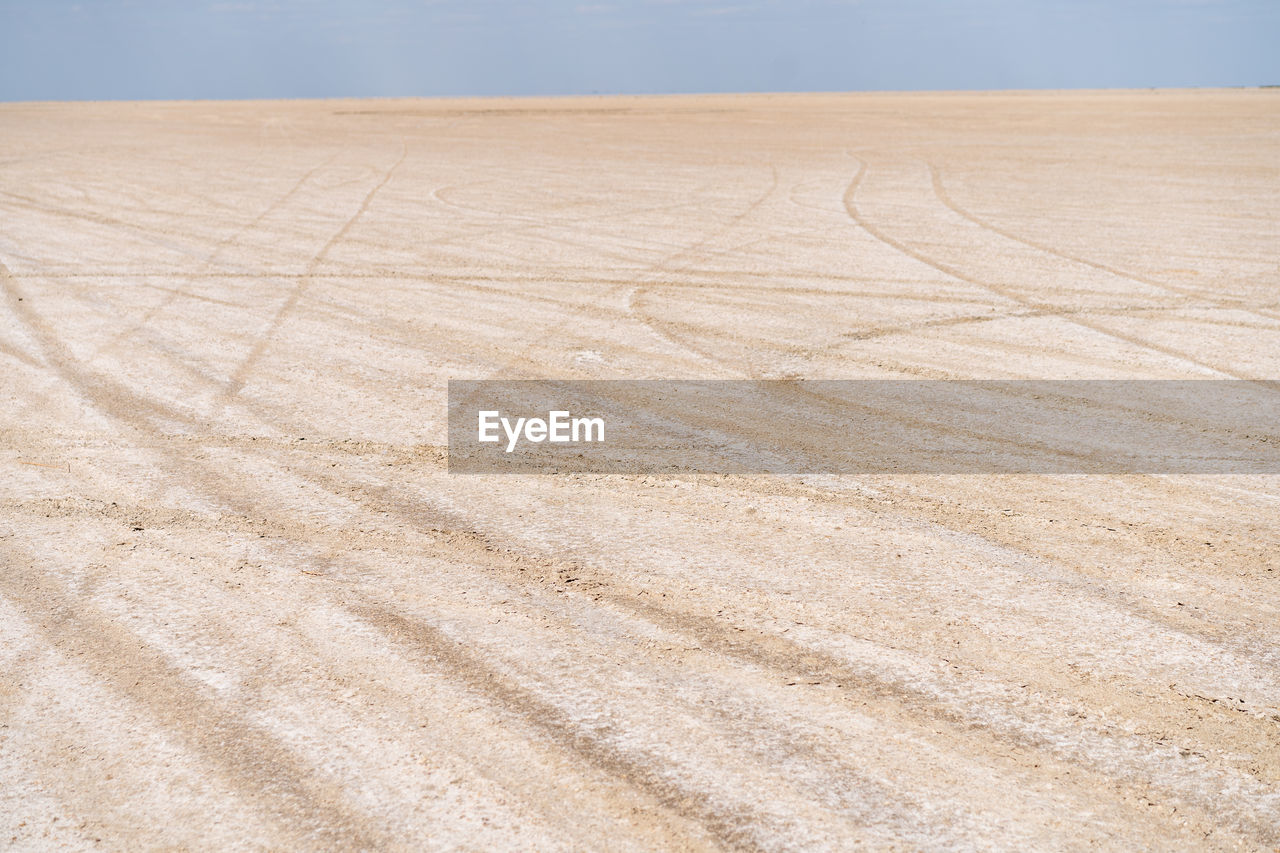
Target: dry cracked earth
{"x": 243, "y": 605}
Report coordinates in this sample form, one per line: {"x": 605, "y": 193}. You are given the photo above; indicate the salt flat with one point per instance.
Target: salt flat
{"x": 243, "y": 605}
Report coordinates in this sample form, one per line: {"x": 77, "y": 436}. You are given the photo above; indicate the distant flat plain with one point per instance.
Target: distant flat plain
{"x": 243, "y": 605}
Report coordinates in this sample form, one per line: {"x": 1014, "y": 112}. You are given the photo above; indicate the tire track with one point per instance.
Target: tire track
{"x": 282, "y": 200}
{"x": 893, "y": 698}
{"x": 215, "y": 725}
{"x": 269, "y": 419}
{"x": 521, "y": 565}
{"x": 417, "y": 519}
{"x": 275, "y": 419}
{"x": 945, "y": 197}
{"x": 432, "y": 647}
{"x": 1014, "y": 296}
{"x": 288, "y": 517}
{"x": 299, "y": 801}
{"x": 236, "y": 382}
{"x": 641, "y": 290}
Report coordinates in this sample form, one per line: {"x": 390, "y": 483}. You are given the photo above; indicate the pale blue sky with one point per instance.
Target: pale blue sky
{"x": 127, "y": 49}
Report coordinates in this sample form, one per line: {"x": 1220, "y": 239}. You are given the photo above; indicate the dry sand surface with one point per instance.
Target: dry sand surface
{"x": 244, "y": 606}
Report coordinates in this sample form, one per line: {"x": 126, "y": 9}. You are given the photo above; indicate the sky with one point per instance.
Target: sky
{"x": 190, "y": 49}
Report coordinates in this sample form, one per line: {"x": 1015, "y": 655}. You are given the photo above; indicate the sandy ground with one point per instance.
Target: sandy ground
{"x": 243, "y": 605}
